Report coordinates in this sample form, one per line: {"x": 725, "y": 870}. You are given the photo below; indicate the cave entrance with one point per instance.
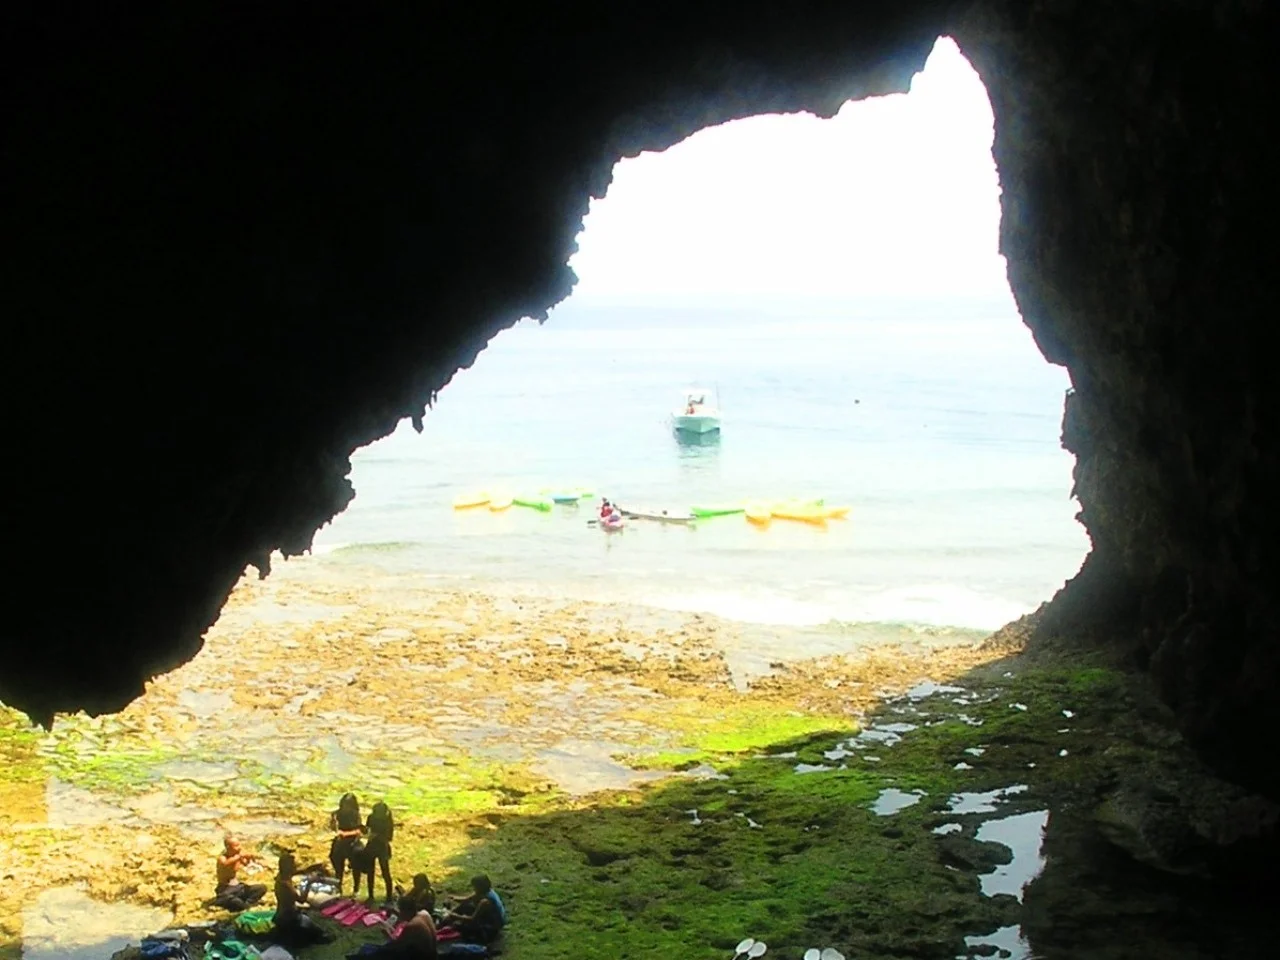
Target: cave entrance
{"x": 836, "y": 284}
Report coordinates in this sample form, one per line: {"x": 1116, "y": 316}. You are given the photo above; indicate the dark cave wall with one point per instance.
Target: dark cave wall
{"x": 1136, "y": 152}
{"x": 250, "y": 241}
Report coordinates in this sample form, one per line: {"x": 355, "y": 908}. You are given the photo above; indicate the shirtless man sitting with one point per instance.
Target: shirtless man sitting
{"x": 230, "y": 892}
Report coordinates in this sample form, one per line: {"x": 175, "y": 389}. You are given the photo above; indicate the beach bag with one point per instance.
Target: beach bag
{"x": 256, "y": 921}
{"x": 230, "y": 950}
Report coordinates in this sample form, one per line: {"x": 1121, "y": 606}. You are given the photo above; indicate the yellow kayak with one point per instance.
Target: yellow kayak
{"x": 470, "y": 500}
{"x": 758, "y": 514}
{"x": 837, "y": 513}
{"x": 806, "y": 514}
{"x": 499, "y": 503}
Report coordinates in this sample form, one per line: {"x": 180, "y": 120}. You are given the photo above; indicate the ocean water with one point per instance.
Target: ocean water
{"x": 936, "y": 422}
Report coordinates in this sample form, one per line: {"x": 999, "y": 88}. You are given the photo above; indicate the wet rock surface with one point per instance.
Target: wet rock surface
{"x": 1007, "y": 853}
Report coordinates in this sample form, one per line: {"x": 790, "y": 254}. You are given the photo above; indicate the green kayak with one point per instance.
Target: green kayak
{"x": 724, "y": 510}
{"x": 536, "y": 503}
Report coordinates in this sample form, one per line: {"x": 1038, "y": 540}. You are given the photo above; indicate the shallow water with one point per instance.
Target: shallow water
{"x": 1007, "y": 939}
{"x": 892, "y": 800}
{"x": 960, "y": 491}
{"x": 65, "y": 924}
{"x": 1022, "y": 834}
{"x": 982, "y": 802}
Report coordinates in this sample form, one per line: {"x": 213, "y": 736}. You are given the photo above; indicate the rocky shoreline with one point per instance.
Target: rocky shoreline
{"x": 621, "y": 783}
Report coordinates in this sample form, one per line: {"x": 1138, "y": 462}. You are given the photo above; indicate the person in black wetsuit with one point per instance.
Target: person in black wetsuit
{"x": 377, "y": 850}
{"x": 346, "y": 823}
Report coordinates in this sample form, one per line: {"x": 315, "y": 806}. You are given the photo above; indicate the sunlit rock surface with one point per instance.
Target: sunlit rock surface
{"x": 246, "y": 242}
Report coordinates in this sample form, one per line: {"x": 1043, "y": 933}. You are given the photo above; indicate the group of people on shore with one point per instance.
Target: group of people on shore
{"x": 363, "y": 848}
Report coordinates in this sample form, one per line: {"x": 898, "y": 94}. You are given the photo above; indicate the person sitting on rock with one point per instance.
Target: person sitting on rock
{"x": 421, "y": 896}
{"x": 229, "y": 892}
{"x": 416, "y": 940}
{"x": 480, "y": 917}
{"x": 293, "y": 928}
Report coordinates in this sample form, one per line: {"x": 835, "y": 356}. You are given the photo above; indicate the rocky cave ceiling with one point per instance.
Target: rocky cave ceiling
{"x": 247, "y": 241}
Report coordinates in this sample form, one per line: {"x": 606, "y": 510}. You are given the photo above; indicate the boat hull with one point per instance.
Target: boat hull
{"x": 659, "y": 516}
{"x": 697, "y": 424}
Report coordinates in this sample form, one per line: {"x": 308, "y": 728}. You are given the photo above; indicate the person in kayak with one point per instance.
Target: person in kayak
{"x": 346, "y": 823}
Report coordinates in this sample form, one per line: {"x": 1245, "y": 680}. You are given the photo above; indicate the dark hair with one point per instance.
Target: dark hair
{"x": 380, "y": 821}
{"x": 421, "y": 880}
{"x": 349, "y": 802}
{"x": 481, "y": 884}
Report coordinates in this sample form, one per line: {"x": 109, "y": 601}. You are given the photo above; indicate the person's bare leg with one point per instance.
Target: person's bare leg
{"x": 385, "y": 862}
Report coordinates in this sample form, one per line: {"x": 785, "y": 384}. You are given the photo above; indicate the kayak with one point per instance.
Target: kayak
{"x": 661, "y": 516}
{"x": 576, "y": 493}
{"x": 470, "y": 500}
{"x": 534, "y": 503}
{"x": 837, "y": 513}
{"x": 565, "y": 498}
{"x": 802, "y": 513}
{"x": 611, "y": 525}
{"x": 500, "y": 503}
{"x": 719, "y": 511}
{"x": 758, "y": 514}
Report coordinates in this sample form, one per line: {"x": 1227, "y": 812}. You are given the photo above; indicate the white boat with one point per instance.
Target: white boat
{"x": 697, "y": 415}
{"x": 661, "y": 516}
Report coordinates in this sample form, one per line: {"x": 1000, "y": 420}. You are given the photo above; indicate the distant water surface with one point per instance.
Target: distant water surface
{"x": 937, "y": 423}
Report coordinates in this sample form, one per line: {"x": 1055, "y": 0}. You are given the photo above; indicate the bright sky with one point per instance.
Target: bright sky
{"x": 895, "y": 195}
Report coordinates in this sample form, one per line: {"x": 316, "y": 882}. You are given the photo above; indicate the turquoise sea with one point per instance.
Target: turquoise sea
{"x": 937, "y": 421}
